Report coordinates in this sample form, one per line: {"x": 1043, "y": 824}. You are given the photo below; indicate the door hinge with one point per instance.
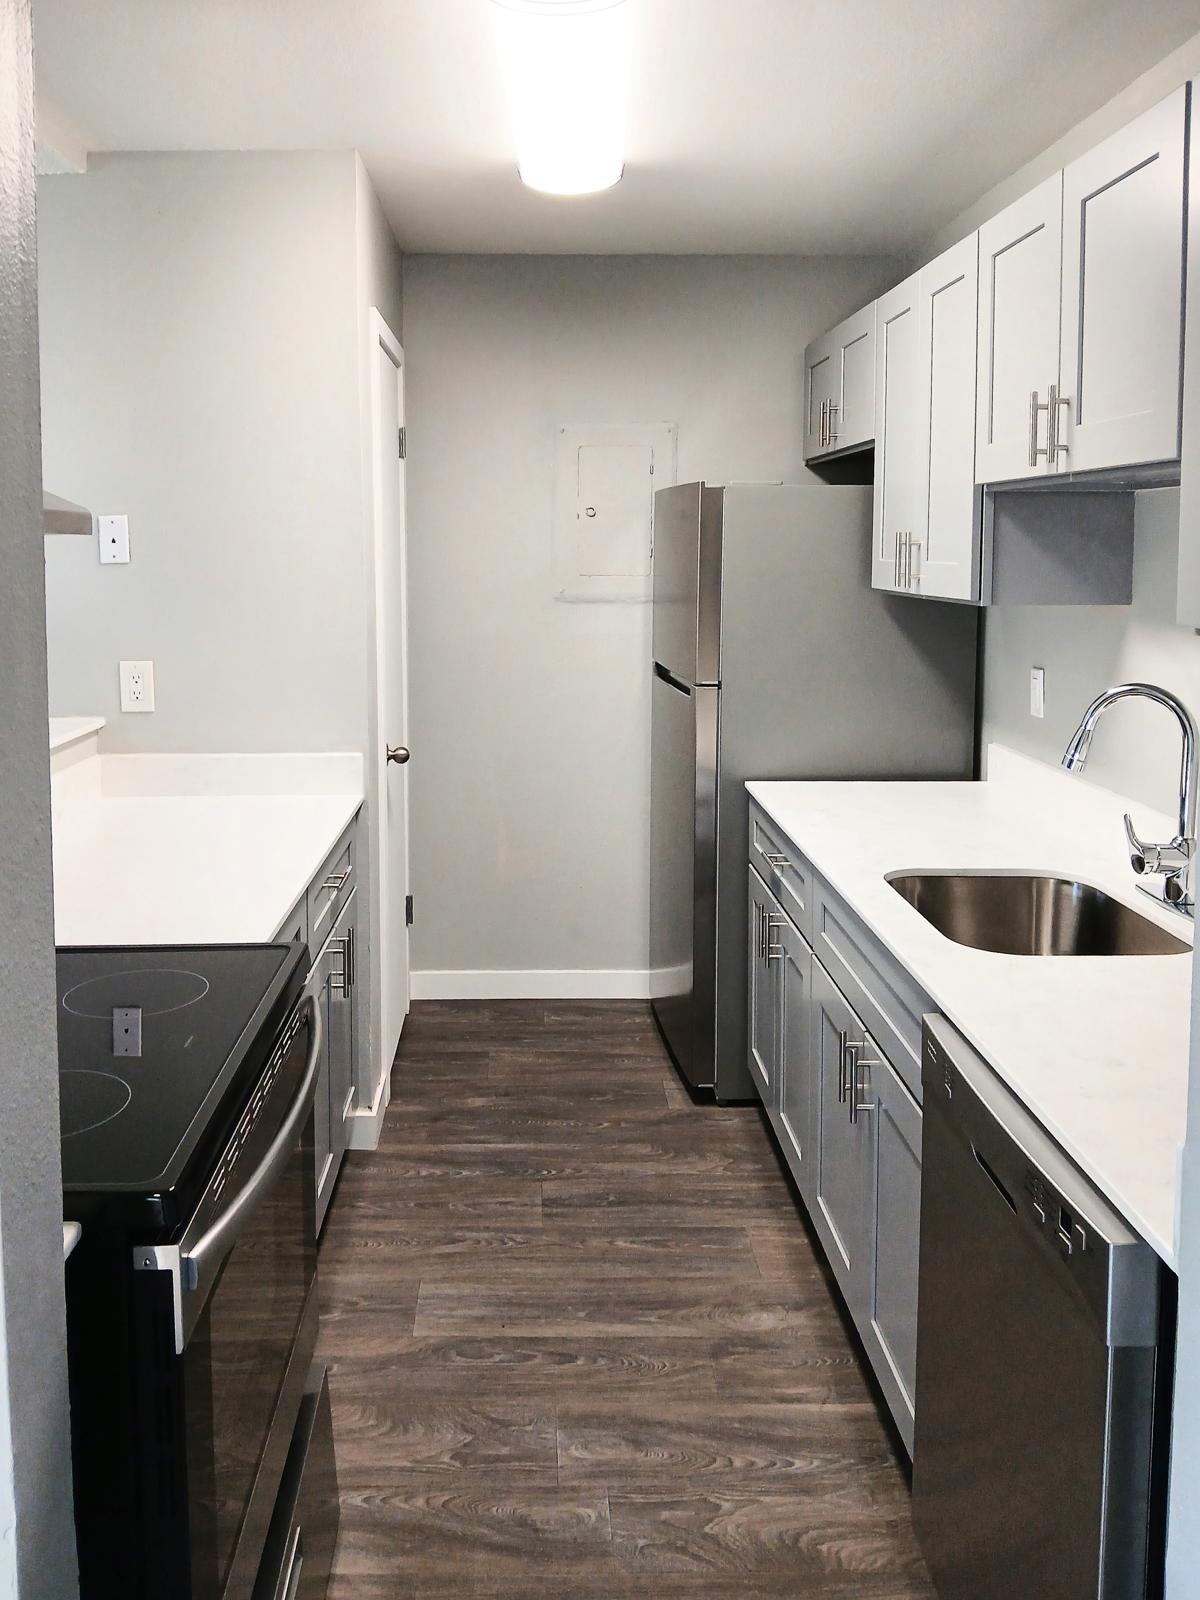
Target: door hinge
{"x": 403, "y": 444}
{"x": 408, "y": 910}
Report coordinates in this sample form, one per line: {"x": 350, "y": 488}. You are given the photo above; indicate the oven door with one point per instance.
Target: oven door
{"x": 230, "y": 1327}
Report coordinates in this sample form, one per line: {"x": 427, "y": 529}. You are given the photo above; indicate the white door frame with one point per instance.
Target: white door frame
{"x": 373, "y": 1096}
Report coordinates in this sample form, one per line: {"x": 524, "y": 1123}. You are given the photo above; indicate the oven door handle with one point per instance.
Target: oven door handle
{"x": 190, "y": 1265}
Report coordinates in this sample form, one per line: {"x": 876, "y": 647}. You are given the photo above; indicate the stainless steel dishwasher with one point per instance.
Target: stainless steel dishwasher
{"x": 1040, "y": 1372}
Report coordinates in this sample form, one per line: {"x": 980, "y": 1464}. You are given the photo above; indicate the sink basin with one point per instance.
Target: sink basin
{"x": 1027, "y": 915}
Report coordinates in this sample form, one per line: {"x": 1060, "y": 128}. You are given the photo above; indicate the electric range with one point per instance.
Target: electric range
{"x": 186, "y": 1081}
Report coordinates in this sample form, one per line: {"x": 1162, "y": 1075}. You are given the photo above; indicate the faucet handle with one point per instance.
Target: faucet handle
{"x": 1142, "y": 857}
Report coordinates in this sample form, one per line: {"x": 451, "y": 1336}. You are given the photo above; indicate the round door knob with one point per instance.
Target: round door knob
{"x": 398, "y": 753}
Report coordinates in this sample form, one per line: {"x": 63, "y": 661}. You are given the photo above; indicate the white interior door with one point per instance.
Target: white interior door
{"x": 388, "y": 777}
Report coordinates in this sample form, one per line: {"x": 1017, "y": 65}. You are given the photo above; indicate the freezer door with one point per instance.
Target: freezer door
{"x": 687, "y": 582}
{"x": 683, "y": 878}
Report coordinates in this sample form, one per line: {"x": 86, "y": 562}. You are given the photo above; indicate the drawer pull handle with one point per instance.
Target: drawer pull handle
{"x": 337, "y": 881}
{"x": 776, "y": 859}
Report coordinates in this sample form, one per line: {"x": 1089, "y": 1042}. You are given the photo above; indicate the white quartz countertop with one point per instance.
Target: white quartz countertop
{"x": 197, "y": 849}
{"x": 1095, "y": 1047}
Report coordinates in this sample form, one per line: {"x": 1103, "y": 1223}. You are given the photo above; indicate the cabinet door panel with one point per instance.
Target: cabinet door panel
{"x": 854, "y": 403}
{"x": 891, "y": 1334}
{"x": 1123, "y": 233}
{"x": 843, "y": 1157}
{"x": 898, "y": 432}
{"x": 1020, "y": 277}
{"x": 342, "y": 1003}
{"x": 949, "y": 521}
{"x": 796, "y": 1081}
{"x": 822, "y": 383}
{"x": 322, "y": 1128}
{"x": 760, "y": 993}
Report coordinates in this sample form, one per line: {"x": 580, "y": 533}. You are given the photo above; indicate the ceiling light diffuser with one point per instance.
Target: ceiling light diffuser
{"x": 566, "y": 66}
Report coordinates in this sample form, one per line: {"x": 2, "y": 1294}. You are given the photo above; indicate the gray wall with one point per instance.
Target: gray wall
{"x": 530, "y": 716}
{"x": 201, "y": 371}
{"x": 1085, "y": 649}
{"x": 37, "y": 1538}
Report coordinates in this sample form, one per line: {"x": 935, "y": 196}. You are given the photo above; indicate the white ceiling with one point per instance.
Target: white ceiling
{"x": 758, "y": 125}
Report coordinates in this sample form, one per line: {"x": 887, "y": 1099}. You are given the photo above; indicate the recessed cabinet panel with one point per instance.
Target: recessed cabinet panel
{"x": 761, "y": 1041}
{"x": 796, "y": 1081}
{"x": 1020, "y": 272}
{"x": 946, "y": 563}
{"x": 1122, "y": 295}
{"x": 854, "y": 412}
{"x": 821, "y": 387}
{"x": 897, "y": 445}
{"x": 897, "y": 1233}
{"x": 843, "y": 1157}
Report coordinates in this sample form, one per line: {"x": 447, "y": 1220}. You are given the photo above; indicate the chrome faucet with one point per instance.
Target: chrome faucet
{"x": 1171, "y": 862}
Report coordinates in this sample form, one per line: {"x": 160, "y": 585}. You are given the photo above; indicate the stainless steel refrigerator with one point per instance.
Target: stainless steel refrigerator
{"x": 773, "y": 657}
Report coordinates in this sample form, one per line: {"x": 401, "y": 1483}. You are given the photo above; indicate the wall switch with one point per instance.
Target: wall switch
{"x": 1037, "y": 691}
{"x": 113, "y": 535}
{"x": 137, "y": 686}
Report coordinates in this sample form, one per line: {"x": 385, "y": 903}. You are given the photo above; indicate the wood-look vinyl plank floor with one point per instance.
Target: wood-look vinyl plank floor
{"x": 580, "y": 1344}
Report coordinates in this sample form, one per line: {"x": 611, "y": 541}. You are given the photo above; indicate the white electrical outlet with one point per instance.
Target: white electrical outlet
{"x": 1037, "y": 691}
{"x": 137, "y": 686}
{"x": 112, "y": 534}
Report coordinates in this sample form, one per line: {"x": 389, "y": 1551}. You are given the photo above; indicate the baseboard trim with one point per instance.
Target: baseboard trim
{"x": 556, "y": 984}
{"x": 365, "y": 1123}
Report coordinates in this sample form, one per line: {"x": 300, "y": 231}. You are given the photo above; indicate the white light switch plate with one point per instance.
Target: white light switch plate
{"x": 1037, "y": 691}
{"x": 113, "y": 535}
{"x": 137, "y": 686}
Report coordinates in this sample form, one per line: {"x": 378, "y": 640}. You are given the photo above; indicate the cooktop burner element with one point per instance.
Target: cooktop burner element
{"x": 172, "y": 989}
{"x": 90, "y": 1099}
{"x": 182, "y": 1020}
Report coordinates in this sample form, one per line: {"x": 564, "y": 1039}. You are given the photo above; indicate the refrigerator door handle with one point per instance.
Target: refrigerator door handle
{"x": 670, "y": 679}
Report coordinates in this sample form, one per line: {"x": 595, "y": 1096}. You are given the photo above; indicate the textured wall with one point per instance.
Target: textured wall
{"x": 37, "y": 1556}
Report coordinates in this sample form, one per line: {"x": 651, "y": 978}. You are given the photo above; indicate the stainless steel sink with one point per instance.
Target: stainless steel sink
{"x": 1028, "y": 915}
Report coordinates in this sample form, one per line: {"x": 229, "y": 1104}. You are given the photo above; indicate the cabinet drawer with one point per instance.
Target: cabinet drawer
{"x": 783, "y": 869}
{"x": 330, "y": 890}
{"x": 298, "y": 1558}
{"x": 873, "y": 981}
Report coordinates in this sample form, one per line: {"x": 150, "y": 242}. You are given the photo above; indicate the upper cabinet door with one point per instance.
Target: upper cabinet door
{"x": 946, "y": 550}
{"x": 1122, "y": 295}
{"x": 897, "y": 508}
{"x": 822, "y": 385}
{"x": 854, "y": 404}
{"x": 1020, "y": 274}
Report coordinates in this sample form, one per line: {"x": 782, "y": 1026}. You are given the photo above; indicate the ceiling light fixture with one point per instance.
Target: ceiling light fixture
{"x": 566, "y": 67}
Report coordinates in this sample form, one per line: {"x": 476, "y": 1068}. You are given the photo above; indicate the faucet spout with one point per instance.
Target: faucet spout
{"x": 1174, "y": 861}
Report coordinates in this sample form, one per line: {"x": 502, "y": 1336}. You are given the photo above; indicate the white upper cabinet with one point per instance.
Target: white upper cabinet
{"x": 1122, "y": 295}
{"x": 896, "y": 508}
{"x": 839, "y": 387}
{"x": 946, "y": 554}
{"x": 1020, "y": 276}
{"x": 926, "y": 522}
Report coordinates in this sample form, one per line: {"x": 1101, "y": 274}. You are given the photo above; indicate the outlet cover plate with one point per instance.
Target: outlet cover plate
{"x": 1037, "y": 691}
{"x": 112, "y": 533}
{"x": 137, "y": 686}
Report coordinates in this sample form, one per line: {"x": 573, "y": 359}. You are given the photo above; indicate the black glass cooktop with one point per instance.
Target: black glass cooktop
{"x": 151, "y": 1042}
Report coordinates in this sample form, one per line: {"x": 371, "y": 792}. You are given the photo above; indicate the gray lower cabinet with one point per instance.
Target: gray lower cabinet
{"x": 847, "y": 1125}
{"x": 332, "y": 983}
{"x": 843, "y": 1209}
{"x": 331, "y": 917}
{"x": 795, "y": 1122}
{"x": 894, "y": 1185}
